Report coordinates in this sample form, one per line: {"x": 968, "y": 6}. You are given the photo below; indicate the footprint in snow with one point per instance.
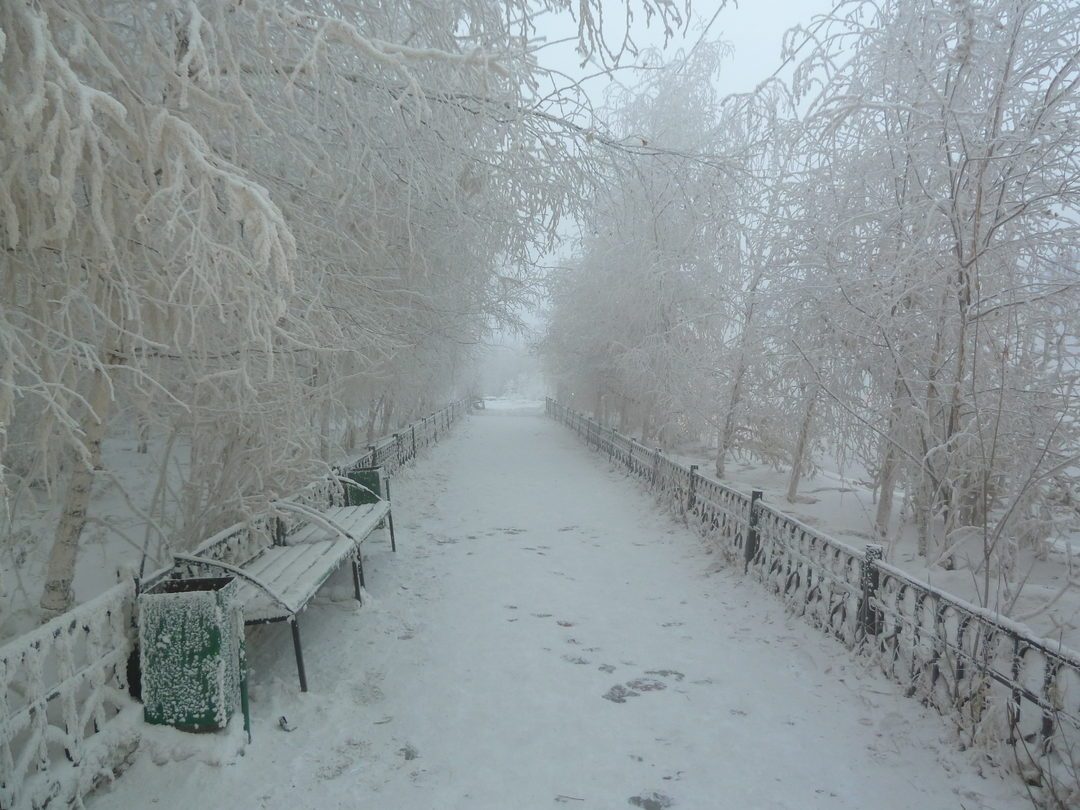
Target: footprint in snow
{"x": 619, "y": 693}
{"x": 646, "y": 685}
{"x": 342, "y": 758}
{"x": 666, "y": 673}
{"x": 651, "y": 801}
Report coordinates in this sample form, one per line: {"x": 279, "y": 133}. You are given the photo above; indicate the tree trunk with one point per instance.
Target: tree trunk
{"x": 889, "y": 464}
{"x": 349, "y": 439}
{"x": 57, "y": 595}
{"x": 727, "y": 432}
{"x": 324, "y": 430}
{"x": 387, "y": 416}
{"x": 372, "y": 415}
{"x": 800, "y": 445}
{"x": 923, "y": 507}
{"x": 886, "y": 491}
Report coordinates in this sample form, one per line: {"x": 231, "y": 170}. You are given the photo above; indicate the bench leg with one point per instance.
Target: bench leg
{"x": 299, "y": 653}
{"x": 358, "y": 575}
{"x": 390, "y": 518}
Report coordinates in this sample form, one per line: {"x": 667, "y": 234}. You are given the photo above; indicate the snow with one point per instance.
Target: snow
{"x": 546, "y": 635}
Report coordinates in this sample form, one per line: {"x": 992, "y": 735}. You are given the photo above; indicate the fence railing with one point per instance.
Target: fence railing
{"x": 67, "y": 720}
{"x": 1002, "y": 683}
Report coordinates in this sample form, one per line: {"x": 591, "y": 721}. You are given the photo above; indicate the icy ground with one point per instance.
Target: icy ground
{"x": 544, "y": 637}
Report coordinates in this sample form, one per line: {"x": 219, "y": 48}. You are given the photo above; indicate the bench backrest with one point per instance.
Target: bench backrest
{"x": 242, "y": 542}
{"x": 372, "y": 486}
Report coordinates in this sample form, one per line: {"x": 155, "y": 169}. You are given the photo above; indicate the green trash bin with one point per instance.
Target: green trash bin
{"x": 191, "y": 636}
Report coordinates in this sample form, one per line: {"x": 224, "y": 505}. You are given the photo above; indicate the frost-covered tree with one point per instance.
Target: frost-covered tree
{"x": 952, "y": 126}
{"x": 892, "y": 279}
{"x": 255, "y": 232}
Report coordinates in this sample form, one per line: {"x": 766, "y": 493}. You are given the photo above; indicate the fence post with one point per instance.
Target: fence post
{"x": 371, "y": 452}
{"x": 611, "y": 446}
{"x": 750, "y": 547}
{"x": 630, "y": 462}
{"x": 692, "y": 489}
{"x": 869, "y": 576}
{"x": 413, "y": 439}
{"x": 656, "y": 466}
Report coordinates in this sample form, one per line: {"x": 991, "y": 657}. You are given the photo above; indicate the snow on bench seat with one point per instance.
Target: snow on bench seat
{"x": 293, "y": 574}
{"x": 357, "y": 521}
{"x": 279, "y": 581}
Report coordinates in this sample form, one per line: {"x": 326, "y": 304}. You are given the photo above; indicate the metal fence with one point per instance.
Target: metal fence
{"x": 1005, "y": 687}
{"x": 67, "y": 721}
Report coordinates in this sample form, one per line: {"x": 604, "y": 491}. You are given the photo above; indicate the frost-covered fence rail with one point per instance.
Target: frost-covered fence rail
{"x": 67, "y": 720}
{"x": 999, "y": 681}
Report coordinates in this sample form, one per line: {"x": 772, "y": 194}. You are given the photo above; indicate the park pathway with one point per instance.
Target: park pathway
{"x": 545, "y": 637}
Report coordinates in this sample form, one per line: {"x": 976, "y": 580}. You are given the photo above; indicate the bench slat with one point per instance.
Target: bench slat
{"x": 359, "y": 521}
{"x": 275, "y": 561}
{"x": 294, "y": 573}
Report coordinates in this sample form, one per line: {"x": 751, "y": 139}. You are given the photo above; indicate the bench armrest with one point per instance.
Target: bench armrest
{"x": 349, "y": 482}
{"x": 240, "y": 572}
{"x": 314, "y": 516}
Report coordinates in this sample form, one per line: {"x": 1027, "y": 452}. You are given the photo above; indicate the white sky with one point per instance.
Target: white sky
{"x": 754, "y": 29}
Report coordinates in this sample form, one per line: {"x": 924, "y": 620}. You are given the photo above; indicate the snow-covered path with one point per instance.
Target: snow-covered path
{"x": 544, "y": 637}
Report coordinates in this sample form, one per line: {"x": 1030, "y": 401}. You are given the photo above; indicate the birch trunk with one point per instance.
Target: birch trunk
{"x": 57, "y": 595}
{"x": 800, "y": 446}
{"x": 727, "y": 431}
{"x": 387, "y": 416}
{"x": 889, "y": 464}
{"x": 372, "y": 415}
{"x": 349, "y": 439}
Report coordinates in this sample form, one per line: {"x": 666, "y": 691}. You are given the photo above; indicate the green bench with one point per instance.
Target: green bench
{"x": 279, "y": 577}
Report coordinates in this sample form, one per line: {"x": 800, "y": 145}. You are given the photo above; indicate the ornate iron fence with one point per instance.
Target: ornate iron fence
{"x": 999, "y": 680}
